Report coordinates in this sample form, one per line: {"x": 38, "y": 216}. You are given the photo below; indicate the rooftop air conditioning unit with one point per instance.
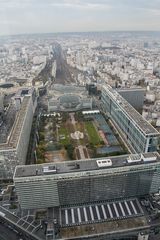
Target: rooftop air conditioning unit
{"x": 104, "y": 163}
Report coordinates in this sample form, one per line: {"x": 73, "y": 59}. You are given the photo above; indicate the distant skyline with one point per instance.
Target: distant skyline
{"x": 43, "y": 16}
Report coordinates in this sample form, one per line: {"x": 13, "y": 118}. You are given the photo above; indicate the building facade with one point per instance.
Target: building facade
{"x": 1, "y": 108}
{"x": 85, "y": 181}
{"x": 135, "y": 130}
{"x": 14, "y": 151}
{"x": 134, "y": 96}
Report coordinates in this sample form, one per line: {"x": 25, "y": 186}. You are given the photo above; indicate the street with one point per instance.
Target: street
{"x": 6, "y": 233}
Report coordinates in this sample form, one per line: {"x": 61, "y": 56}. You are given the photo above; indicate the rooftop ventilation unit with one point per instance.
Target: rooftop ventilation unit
{"x": 149, "y": 157}
{"x": 134, "y": 158}
{"x": 49, "y": 169}
{"x": 104, "y": 163}
{"x": 74, "y": 166}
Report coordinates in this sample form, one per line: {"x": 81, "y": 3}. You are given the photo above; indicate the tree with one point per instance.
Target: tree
{"x": 70, "y": 150}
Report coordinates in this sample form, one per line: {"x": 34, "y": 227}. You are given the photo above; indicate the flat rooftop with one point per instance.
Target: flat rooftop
{"x": 85, "y": 165}
{"x": 23, "y": 92}
{"x": 136, "y": 117}
{"x": 130, "y": 89}
{"x": 107, "y": 228}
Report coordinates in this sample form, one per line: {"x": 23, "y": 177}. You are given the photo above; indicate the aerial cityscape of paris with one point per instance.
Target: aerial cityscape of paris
{"x": 79, "y": 120}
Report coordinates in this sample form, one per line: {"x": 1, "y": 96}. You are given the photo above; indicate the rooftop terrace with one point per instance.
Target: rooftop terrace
{"x": 108, "y": 228}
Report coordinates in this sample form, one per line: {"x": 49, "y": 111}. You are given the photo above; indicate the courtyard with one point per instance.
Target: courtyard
{"x": 70, "y": 136}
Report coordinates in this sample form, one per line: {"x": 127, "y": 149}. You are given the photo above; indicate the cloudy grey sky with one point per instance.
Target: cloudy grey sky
{"x": 38, "y": 16}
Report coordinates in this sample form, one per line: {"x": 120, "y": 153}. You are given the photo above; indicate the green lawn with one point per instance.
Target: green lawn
{"x": 64, "y": 132}
{"x": 93, "y": 135}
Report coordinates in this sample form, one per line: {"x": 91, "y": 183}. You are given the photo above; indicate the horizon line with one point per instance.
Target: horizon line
{"x": 78, "y": 32}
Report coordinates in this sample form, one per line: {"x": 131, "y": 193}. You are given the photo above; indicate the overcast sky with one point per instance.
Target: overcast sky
{"x": 38, "y": 16}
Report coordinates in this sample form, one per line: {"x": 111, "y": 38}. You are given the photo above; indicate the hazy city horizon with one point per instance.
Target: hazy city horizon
{"x": 85, "y": 32}
{"x": 32, "y": 16}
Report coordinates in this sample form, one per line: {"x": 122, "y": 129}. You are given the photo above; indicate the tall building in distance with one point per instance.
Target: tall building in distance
{"x": 140, "y": 135}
